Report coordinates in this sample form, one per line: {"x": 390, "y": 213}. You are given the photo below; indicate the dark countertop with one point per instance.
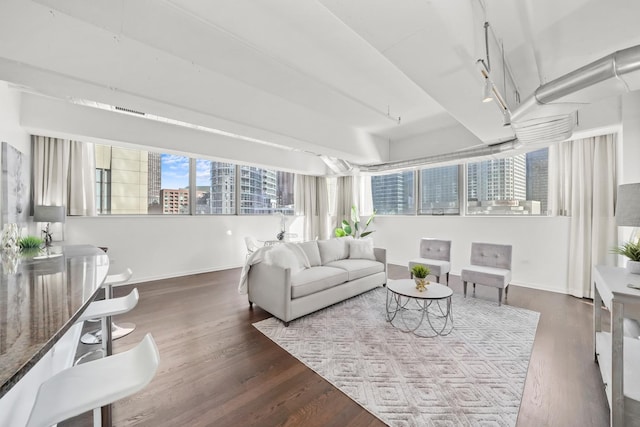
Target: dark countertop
{"x": 40, "y": 299}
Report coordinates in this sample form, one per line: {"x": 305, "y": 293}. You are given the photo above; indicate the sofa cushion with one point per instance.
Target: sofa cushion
{"x": 361, "y": 249}
{"x": 283, "y": 257}
{"x": 357, "y": 268}
{"x": 316, "y": 279}
{"x": 333, "y": 249}
{"x": 311, "y": 251}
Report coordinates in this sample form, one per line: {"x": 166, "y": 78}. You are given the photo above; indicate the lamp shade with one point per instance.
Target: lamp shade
{"x": 628, "y": 205}
{"x": 48, "y": 214}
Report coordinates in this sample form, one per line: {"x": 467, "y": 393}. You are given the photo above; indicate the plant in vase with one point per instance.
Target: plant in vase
{"x": 632, "y": 251}
{"x": 353, "y": 229}
{"x": 30, "y": 245}
{"x": 420, "y": 273}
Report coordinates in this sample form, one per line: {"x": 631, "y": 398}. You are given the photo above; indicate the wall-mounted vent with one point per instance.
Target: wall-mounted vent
{"x": 128, "y": 110}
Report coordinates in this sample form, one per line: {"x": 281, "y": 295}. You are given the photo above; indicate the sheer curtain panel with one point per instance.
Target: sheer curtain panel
{"x": 582, "y": 185}
{"x": 312, "y": 201}
{"x": 64, "y": 174}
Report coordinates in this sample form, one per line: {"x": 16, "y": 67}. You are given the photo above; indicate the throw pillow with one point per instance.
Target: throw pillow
{"x": 281, "y": 256}
{"x": 310, "y": 249}
{"x": 334, "y": 249}
{"x": 302, "y": 256}
{"x": 361, "y": 249}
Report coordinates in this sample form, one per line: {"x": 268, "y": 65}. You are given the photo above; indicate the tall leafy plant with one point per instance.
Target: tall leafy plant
{"x": 353, "y": 228}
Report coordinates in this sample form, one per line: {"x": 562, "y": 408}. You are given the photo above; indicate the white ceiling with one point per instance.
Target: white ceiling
{"x": 368, "y": 81}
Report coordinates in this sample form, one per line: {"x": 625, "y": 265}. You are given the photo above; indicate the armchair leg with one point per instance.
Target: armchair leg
{"x": 447, "y": 279}
{"x": 464, "y": 288}
{"x": 410, "y": 275}
{"x": 499, "y": 297}
{"x": 506, "y": 292}
{"x": 286, "y": 324}
{"x": 437, "y": 279}
{"x": 250, "y": 305}
{"x": 474, "y": 288}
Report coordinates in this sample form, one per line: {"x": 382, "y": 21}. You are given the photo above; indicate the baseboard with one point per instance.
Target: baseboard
{"x": 143, "y": 280}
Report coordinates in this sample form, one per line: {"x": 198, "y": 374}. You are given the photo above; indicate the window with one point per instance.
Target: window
{"x": 134, "y": 182}
{"x": 511, "y": 186}
{"x": 265, "y": 191}
{"x": 174, "y": 184}
{"x": 393, "y": 194}
{"x": 215, "y": 187}
{"x": 439, "y": 191}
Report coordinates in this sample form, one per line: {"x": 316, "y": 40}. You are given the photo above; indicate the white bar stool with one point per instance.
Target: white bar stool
{"x": 117, "y": 331}
{"x": 104, "y": 308}
{"x": 94, "y": 384}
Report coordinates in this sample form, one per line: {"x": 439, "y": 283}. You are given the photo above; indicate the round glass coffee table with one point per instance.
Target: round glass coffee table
{"x": 410, "y": 307}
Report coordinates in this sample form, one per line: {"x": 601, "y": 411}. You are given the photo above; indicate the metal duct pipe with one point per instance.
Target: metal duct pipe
{"x": 476, "y": 153}
{"x": 549, "y": 114}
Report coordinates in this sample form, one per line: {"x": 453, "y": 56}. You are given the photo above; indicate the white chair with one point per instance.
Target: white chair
{"x": 252, "y": 245}
{"x": 117, "y": 331}
{"x": 101, "y": 310}
{"x": 92, "y": 385}
{"x": 490, "y": 266}
{"x": 435, "y": 254}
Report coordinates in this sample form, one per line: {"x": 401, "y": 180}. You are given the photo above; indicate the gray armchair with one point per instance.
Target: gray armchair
{"x": 490, "y": 266}
{"x": 435, "y": 254}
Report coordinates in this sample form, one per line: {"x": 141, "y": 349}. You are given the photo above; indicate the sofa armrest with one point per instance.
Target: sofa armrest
{"x": 269, "y": 287}
{"x": 381, "y": 256}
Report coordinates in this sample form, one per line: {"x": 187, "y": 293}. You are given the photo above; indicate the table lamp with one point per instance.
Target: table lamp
{"x": 48, "y": 214}
{"x": 628, "y": 215}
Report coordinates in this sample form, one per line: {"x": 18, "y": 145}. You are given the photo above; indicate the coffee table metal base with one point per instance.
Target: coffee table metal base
{"x": 407, "y": 309}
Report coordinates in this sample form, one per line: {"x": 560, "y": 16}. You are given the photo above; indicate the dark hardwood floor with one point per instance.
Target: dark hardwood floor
{"x": 216, "y": 369}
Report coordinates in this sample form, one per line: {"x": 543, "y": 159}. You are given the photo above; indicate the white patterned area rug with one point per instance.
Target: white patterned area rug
{"x": 473, "y": 376}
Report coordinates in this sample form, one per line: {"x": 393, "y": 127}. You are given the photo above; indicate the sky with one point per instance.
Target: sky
{"x": 175, "y": 171}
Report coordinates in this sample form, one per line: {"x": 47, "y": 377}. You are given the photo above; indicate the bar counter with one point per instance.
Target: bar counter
{"x": 40, "y": 299}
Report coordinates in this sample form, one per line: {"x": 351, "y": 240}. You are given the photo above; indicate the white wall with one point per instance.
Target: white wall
{"x": 540, "y": 246}
{"x": 157, "y": 246}
{"x": 10, "y": 130}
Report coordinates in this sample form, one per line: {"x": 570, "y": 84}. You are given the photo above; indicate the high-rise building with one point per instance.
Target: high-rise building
{"x": 393, "y": 193}
{"x": 154, "y": 182}
{"x": 538, "y": 177}
{"x": 285, "y": 189}
{"x": 222, "y": 193}
{"x": 498, "y": 179}
{"x": 175, "y": 201}
{"x": 439, "y": 190}
{"x": 498, "y": 186}
{"x": 121, "y": 180}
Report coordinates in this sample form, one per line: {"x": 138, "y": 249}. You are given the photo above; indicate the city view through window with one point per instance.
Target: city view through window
{"x": 130, "y": 182}
{"x": 133, "y": 182}
{"x": 510, "y": 186}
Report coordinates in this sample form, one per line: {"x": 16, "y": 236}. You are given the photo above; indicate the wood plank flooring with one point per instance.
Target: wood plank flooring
{"x": 216, "y": 369}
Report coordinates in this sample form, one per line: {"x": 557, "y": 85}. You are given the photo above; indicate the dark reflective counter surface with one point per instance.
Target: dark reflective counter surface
{"x": 40, "y": 299}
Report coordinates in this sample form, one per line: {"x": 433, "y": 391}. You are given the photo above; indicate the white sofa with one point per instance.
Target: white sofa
{"x": 294, "y": 279}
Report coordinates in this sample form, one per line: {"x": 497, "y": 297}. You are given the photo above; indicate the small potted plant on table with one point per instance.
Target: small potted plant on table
{"x": 420, "y": 273}
{"x": 632, "y": 251}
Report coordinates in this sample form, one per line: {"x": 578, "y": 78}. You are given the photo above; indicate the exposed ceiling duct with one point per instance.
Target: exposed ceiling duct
{"x": 549, "y": 114}
{"x": 479, "y": 153}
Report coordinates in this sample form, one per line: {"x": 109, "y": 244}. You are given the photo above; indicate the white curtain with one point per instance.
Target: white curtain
{"x": 312, "y": 201}
{"x": 345, "y": 199}
{"x": 50, "y": 170}
{"x": 64, "y": 174}
{"x": 582, "y": 185}
{"x": 81, "y": 184}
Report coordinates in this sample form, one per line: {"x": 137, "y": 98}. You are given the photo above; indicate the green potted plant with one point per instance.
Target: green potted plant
{"x": 30, "y": 245}
{"x": 353, "y": 228}
{"x": 420, "y": 273}
{"x": 632, "y": 251}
